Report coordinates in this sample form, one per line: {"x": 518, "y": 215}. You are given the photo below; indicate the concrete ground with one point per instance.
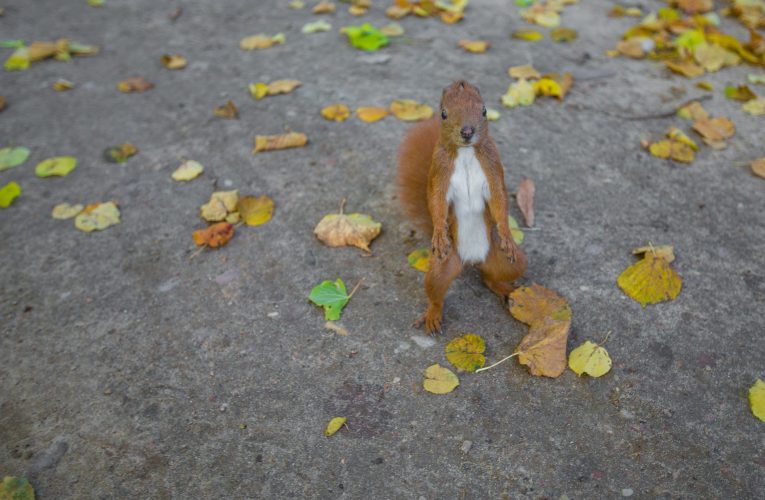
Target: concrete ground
{"x": 130, "y": 371}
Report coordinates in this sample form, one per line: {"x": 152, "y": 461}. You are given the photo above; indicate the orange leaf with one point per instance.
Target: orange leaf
{"x": 283, "y": 141}
{"x": 214, "y": 236}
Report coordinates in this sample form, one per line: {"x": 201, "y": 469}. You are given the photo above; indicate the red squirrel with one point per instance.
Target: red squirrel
{"x": 451, "y": 181}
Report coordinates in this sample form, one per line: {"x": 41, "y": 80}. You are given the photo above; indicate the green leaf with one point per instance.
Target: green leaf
{"x": 11, "y": 44}
{"x": 11, "y": 157}
{"x": 518, "y": 235}
{"x": 365, "y": 37}
{"x": 8, "y": 193}
{"x": 332, "y": 296}
{"x": 59, "y": 165}
{"x": 16, "y": 488}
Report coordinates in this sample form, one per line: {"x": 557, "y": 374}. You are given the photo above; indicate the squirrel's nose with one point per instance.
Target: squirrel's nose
{"x": 467, "y": 132}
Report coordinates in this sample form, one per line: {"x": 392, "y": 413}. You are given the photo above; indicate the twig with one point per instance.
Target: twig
{"x": 342, "y": 205}
{"x": 356, "y": 288}
{"x": 498, "y": 362}
{"x": 602, "y": 343}
{"x": 197, "y": 252}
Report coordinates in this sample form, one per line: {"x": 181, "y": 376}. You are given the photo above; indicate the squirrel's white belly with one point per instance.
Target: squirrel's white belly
{"x": 468, "y": 193}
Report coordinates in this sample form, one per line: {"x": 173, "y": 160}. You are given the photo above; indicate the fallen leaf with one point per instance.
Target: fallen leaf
{"x": 525, "y": 199}
{"x": 591, "y": 359}
{"x": 334, "y": 425}
{"x": 135, "y": 84}
{"x": 563, "y": 35}
{"x": 492, "y": 114}
{"x": 58, "y": 165}
{"x": 337, "y": 230}
{"x": 371, "y": 114}
{"x": 96, "y": 3}
{"x": 705, "y": 86}
{"x": 283, "y": 141}
{"x": 255, "y": 211}
{"x": 260, "y": 90}
{"x": 260, "y": 41}
{"x": 410, "y": 110}
{"x": 543, "y": 349}
{"x": 357, "y": 10}
{"x": 332, "y": 296}
{"x": 97, "y": 216}
{"x": 676, "y": 150}
{"x": 173, "y": 61}
{"x": 689, "y": 69}
{"x": 336, "y": 112}
{"x": 324, "y": 8}
{"x": 466, "y": 352}
{"x": 530, "y": 304}
{"x": 451, "y": 17}
{"x": 475, "y": 46}
{"x": 227, "y": 111}
{"x": 650, "y": 280}
{"x": 64, "y": 211}
{"x": 678, "y": 135}
{"x": 755, "y": 107}
{"x": 296, "y": 4}
{"x": 693, "y": 6}
{"x": 335, "y": 327}
{"x": 528, "y": 35}
{"x": 316, "y": 27}
{"x": 8, "y": 193}
{"x": 62, "y": 85}
{"x": 365, "y": 37}
{"x": 710, "y": 57}
{"x": 419, "y": 259}
{"x": 758, "y": 167}
{"x": 741, "y": 93}
{"x": 214, "y": 236}
{"x": 547, "y": 87}
{"x": 398, "y": 11}
{"x": 16, "y": 488}
{"x": 666, "y": 252}
{"x": 439, "y": 380}
{"x": 757, "y": 399}
{"x": 756, "y": 79}
{"x": 392, "y": 30}
{"x": 221, "y": 203}
{"x": 518, "y": 235}
{"x": 714, "y": 129}
{"x": 520, "y": 93}
{"x": 12, "y": 157}
{"x": 693, "y": 111}
{"x": 188, "y": 170}
{"x": 525, "y": 72}
{"x": 121, "y": 153}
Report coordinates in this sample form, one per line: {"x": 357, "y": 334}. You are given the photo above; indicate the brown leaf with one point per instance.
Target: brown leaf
{"x": 173, "y": 61}
{"x": 214, "y": 236}
{"x": 714, "y": 129}
{"x": 134, "y": 84}
{"x": 324, "y": 8}
{"x": 525, "y": 199}
{"x": 543, "y": 349}
{"x": 283, "y": 141}
{"x": 227, "y": 111}
{"x": 2, "y": 103}
{"x": 688, "y": 69}
{"x": 758, "y": 167}
{"x": 530, "y": 304}
{"x": 338, "y": 230}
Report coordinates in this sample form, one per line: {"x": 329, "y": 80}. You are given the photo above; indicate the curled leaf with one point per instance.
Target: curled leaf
{"x": 260, "y": 41}
{"x": 283, "y": 141}
{"x": 134, "y": 84}
{"x": 520, "y": 93}
{"x": 371, "y": 114}
{"x": 173, "y": 61}
{"x": 121, "y": 153}
{"x": 214, "y": 236}
{"x": 525, "y": 199}
{"x": 757, "y": 399}
{"x": 419, "y": 259}
{"x": 528, "y": 35}
{"x": 64, "y": 211}
{"x": 334, "y": 425}
{"x": 227, "y": 111}
{"x": 474, "y": 46}
{"x": 221, "y": 203}
{"x": 525, "y": 72}
{"x": 316, "y": 27}
{"x": 336, "y": 230}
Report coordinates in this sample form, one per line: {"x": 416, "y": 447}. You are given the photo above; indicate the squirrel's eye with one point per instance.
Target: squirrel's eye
{"x": 443, "y": 114}
{"x": 483, "y": 111}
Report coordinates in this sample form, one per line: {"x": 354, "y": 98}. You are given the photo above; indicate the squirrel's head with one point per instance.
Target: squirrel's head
{"x": 463, "y": 115}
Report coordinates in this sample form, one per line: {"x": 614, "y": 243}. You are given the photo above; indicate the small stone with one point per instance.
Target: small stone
{"x": 107, "y": 391}
{"x": 223, "y": 407}
{"x": 627, "y": 492}
{"x": 274, "y": 314}
{"x": 466, "y": 445}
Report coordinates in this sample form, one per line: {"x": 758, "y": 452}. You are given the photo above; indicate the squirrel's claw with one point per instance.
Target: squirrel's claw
{"x": 508, "y": 246}
{"x": 441, "y": 246}
{"x": 431, "y": 321}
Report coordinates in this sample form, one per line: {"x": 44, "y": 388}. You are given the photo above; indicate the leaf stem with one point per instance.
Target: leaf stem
{"x": 355, "y": 288}
{"x": 498, "y": 362}
{"x": 342, "y": 205}
{"x": 605, "y": 339}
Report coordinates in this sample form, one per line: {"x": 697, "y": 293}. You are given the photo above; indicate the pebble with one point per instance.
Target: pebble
{"x": 274, "y": 314}
{"x": 627, "y": 492}
{"x": 466, "y": 445}
{"x": 224, "y": 407}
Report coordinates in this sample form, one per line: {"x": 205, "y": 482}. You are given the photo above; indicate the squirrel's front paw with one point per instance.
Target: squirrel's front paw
{"x": 507, "y": 245}
{"x": 441, "y": 245}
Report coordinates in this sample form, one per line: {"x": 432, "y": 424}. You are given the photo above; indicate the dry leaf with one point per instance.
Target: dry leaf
{"x": 283, "y": 141}
{"x": 392, "y": 29}
{"x": 97, "y": 216}
{"x": 563, "y": 35}
{"x": 135, "y": 84}
{"x": 650, "y": 280}
{"x": 710, "y": 57}
{"x": 543, "y": 349}
{"x": 758, "y": 167}
{"x": 525, "y": 199}
{"x": 173, "y": 61}
{"x": 261, "y": 41}
{"x": 666, "y": 252}
{"x": 371, "y": 114}
{"x": 66, "y": 211}
{"x": 227, "y": 111}
{"x": 337, "y": 328}
{"x": 530, "y": 304}
{"x": 62, "y": 85}
{"x": 397, "y": 12}
{"x": 525, "y": 72}
{"x": 410, "y": 110}
{"x": 528, "y": 35}
{"x": 466, "y": 352}
{"x": 693, "y": 111}
{"x": 714, "y": 129}
{"x": 755, "y": 107}
{"x": 188, "y": 170}
{"x": 255, "y": 211}
{"x": 336, "y": 112}
{"x": 686, "y": 68}
{"x": 475, "y": 46}
{"x": 337, "y": 230}
{"x": 214, "y": 236}
{"x": 221, "y": 203}
{"x": 324, "y": 8}
{"x": 283, "y": 86}
{"x": 676, "y": 150}
{"x": 451, "y": 17}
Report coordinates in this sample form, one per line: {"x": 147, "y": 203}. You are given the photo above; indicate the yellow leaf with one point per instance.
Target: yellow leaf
{"x": 371, "y": 114}
{"x": 528, "y": 35}
{"x": 492, "y": 114}
{"x": 283, "y": 86}
{"x": 66, "y": 211}
{"x": 62, "y": 85}
{"x": 710, "y": 57}
{"x": 397, "y": 12}
{"x": 334, "y": 425}
{"x": 548, "y": 87}
{"x": 258, "y": 90}
{"x": 221, "y": 203}
{"x": 693, "y": 111}
{"x": 758, "y": 167}
{"x": 8, "y": 193}
{"x": 255, "y": 211}
{"x": 704, "y": 85}
{"x": 173, "y": 61}
{"x": 714, "y": 129}
{"x": 392, "y": 29}
{"x": 680, "y": 136}
{"x": 543, "y": 349}
{"x": 419, "y": 259}
{"x": 97, "y": 216}
{"x": 261, "y": 41}
{"x": 58, "y": 165}
{"x": 324, "y": 8}
{"x": 520, "y": 93}
{"x": 336, "y": 112}
{"x": 755, "y": 107}
{"x": 439, "y": 380}
{"x": 688, "y": 69}
{"x": 283, "y": 141}
{"x": 188, "y": 170}
{"x": 666, "y": 252}
{"x": 591, "y": 359}
{"x": 475, "y": 46}
{"x": 338, "y": 230}
{"x": 227, "y": 111}
{"x": 357, "y": 10}
{"x": 525, "y": 72}
{"x": 451, "y": 17}
{"x": 757, "y": 399}
{"x": 410, "y": 110}
{"x": 466, "y": 352}
{"x": 530, "y": 304}
{"x": 563, "y": 34}
{"x": 650, "y": 280}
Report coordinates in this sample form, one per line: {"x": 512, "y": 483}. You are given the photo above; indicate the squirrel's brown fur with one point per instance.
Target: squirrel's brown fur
{"x": 426, "y": 164}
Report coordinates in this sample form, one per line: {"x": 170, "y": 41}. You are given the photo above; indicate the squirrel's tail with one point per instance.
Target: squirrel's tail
{"x": 414, "y": 157}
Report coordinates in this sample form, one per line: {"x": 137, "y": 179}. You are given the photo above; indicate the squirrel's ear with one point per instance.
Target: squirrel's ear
{"x": 477, "y": 90}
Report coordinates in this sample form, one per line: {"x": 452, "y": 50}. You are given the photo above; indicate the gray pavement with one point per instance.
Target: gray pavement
{"x": 129, "y": 371}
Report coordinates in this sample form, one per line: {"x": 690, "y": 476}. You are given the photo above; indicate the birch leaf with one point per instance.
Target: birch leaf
{"x": 255, "y": 211}
{"x": 334, "y": 425}
{"x": 58, "y": 165}
{"x": 439, "y": 380}
{"x": 466, "y": 352}
{"x": 591, "y": 359}
{"x": 650, "y": 280}
{"x": 337, "y": 230}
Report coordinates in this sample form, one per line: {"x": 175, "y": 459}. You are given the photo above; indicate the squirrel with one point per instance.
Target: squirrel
{"x": 451, "y": 181}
